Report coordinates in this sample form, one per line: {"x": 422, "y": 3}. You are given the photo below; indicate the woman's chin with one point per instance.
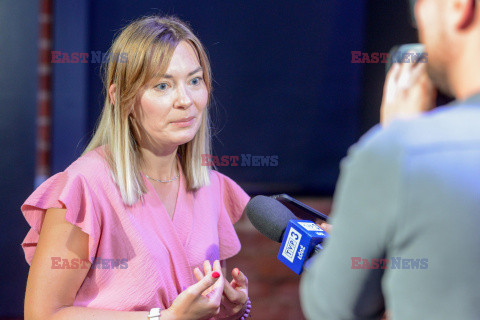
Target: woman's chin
{"x": 184, "y": 139}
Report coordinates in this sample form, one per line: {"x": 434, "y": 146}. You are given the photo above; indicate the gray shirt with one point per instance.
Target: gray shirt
{"x": 410, "y": 194}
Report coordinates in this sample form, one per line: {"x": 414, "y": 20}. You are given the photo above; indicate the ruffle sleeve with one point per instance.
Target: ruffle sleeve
{"x": 234, "y": 200}
{"x": 63, "y": 190}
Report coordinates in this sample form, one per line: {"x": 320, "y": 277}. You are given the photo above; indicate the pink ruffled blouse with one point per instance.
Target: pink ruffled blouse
{"x": 141, "y": 258}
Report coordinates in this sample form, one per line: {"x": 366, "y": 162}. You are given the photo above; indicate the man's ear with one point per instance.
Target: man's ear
{"x": 111, "y": 92}
{"x": 465, "y": 10}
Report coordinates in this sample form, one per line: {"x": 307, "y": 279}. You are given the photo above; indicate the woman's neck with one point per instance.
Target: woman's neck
{"x": 159, "y": 165}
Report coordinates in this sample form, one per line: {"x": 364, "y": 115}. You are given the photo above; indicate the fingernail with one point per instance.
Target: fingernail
{"x": 215, "y": 274}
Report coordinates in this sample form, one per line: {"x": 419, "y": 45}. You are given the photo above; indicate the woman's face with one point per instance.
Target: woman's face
{"x": 169, "y": 109}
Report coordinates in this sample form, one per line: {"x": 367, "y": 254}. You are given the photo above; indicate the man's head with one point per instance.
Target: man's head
{"x": 450, "y": 30}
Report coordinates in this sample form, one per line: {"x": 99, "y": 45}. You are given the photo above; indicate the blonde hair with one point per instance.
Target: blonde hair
{"x": 148, "y": 44}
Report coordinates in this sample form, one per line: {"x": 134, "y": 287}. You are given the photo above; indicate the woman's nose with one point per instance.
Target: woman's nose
{"x": 183, "y": 99}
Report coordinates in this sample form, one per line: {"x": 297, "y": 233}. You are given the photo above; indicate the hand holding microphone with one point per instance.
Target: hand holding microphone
{"x": 408, "y": 91}
{"x": 325, "y": 226}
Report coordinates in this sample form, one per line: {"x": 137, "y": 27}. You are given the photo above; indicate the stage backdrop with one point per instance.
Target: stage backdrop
{"x": 284, "y": 88}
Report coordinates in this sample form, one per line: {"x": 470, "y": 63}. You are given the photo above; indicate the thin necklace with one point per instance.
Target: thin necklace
{"x": 163, "y": 181}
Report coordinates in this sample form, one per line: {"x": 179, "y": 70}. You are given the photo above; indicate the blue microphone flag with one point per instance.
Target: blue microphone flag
{"x": 299, "y": 240}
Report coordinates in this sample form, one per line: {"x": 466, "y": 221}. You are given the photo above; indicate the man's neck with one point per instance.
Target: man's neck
{"x": 466, "y": 73}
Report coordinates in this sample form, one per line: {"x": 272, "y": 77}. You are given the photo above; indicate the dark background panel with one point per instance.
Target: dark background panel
{"x": 389, "y": 23}
{"x": 18, "y": 70}
{"x": 283, "y": 82}
{"x": 70, "y": 83}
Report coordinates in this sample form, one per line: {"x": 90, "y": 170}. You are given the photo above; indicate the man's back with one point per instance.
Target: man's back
{"x": 438, "y": 218}
{"x": 409, "y": 194}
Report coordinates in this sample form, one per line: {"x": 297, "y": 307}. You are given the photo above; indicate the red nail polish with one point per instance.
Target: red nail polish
{"x": 215, "y": 274}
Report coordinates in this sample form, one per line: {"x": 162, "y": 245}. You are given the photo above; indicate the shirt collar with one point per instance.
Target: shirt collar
{"x": 473, "y": 99}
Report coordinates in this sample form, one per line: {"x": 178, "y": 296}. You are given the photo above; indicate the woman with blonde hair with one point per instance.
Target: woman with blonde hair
{"x": 131, "y": 228}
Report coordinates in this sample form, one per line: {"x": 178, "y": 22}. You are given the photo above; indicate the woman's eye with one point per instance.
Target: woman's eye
{"x": 196, "y": 81}
{"x": 162, "y": 86}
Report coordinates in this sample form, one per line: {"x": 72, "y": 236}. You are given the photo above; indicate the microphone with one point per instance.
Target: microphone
{"x": 268, "y": 216}
{"x": 300, "y": 238}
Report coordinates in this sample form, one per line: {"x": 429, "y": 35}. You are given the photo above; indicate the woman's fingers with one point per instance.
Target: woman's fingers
{"x": 207, "y": 267}
{"x": 211, "y": 279}
{"x": 217, "y": 266}
{"x": 236, "y": 291}
{"x": 239, "y": 278}
{"x": 221, "y": 286}
{"x": 233, "y": 295}
{"x": 216, "y": 294}
{"x": 198, "y": 274}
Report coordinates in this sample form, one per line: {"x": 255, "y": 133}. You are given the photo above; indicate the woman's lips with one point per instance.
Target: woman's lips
{"x": 185, "y": 122}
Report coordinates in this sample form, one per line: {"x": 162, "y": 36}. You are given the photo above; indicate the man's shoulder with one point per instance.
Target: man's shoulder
{"x": 440, "y": 127}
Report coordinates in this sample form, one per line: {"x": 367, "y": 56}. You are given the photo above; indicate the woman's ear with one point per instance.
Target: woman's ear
{"x": 131, "y": 113}
{"x": 111, "y": 92}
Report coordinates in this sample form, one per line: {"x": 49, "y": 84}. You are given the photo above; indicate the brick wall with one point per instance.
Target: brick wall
{"x": 273, "y": 288}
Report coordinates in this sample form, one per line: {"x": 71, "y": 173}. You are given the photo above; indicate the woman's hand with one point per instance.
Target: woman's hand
{"x": 194, "y": 304}
{"x": 408, "y": 92}
{"x": 235, "y": 293}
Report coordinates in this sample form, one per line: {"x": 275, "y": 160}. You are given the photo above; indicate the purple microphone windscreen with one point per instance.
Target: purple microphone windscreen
{"x": 269, "y": 216}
